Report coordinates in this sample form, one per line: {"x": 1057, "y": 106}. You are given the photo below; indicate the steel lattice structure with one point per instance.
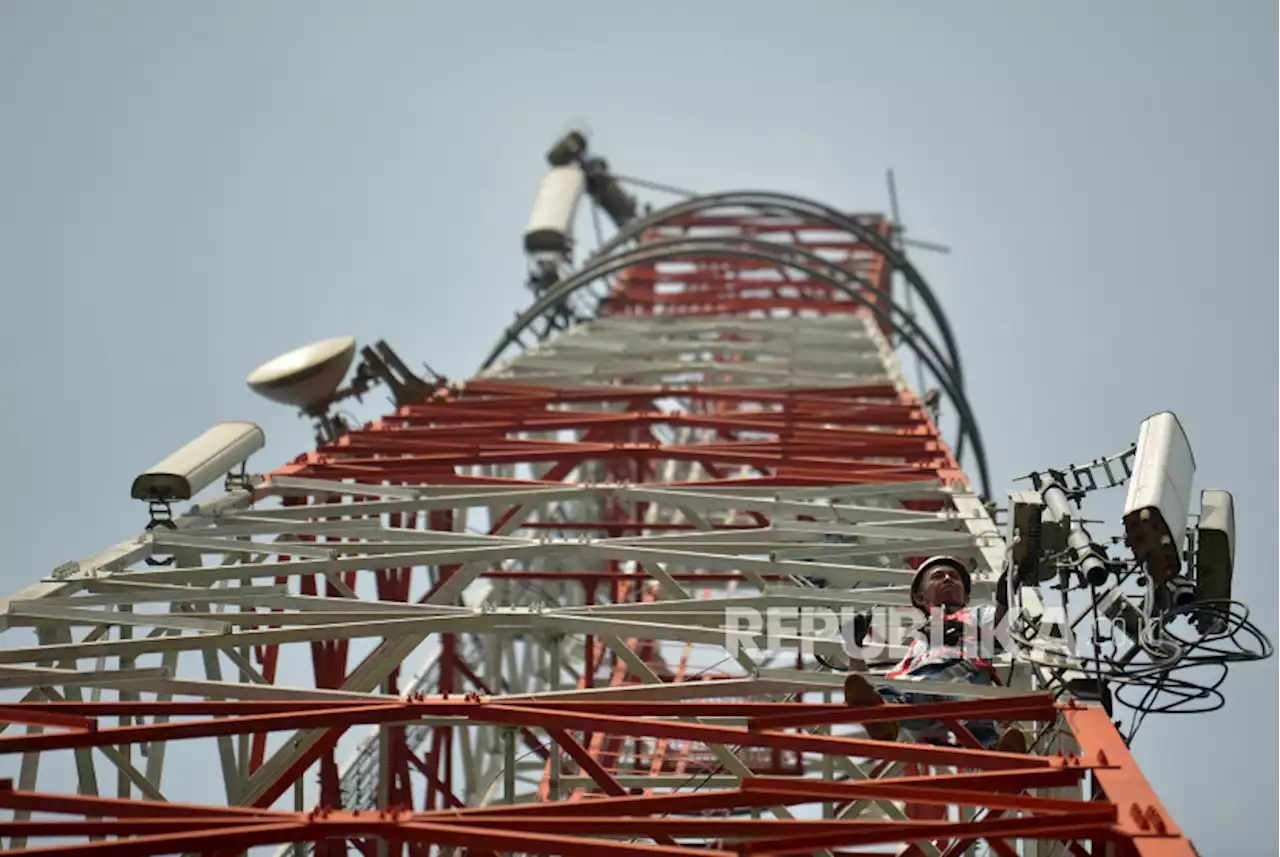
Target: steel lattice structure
{"x": 520, "y": 583}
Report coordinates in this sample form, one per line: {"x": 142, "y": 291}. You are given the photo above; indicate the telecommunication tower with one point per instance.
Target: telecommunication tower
{"x": 591, "y": 600}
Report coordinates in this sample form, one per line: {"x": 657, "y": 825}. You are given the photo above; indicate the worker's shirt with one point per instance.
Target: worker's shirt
{"x": 956, "y": 638}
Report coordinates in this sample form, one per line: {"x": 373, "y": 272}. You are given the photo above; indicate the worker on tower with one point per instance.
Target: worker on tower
{"x": 947, "y": 647}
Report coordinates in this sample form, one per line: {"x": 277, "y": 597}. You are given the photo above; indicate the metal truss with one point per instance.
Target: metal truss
{"x": 523, "y": 586}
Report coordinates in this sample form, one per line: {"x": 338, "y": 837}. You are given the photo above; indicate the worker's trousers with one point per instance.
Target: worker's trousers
{"x": 935, "y": 731}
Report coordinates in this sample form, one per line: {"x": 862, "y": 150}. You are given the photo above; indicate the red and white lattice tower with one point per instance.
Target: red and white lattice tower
{"x": 514, "y": 593}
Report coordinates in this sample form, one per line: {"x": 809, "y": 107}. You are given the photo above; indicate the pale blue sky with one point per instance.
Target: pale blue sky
{"x": 188, "y": 189}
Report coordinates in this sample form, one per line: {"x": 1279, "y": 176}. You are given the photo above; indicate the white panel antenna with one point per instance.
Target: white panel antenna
{"x": 197, "y": 465}
{"x": 550, "y": 228}
{"x": 1159, "y": 499}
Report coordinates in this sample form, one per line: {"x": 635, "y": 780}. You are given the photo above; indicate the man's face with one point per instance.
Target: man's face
{"x": 942, "y": 585}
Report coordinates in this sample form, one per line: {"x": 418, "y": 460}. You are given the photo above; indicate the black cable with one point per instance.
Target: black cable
{"x": 1159, "y": 669}
{"x": 812, "y": 211}
{"x": 826, "y": 663}
{"x": 774, "y": 202}
{"x": 750, "y": 248}
{"x": 782, "y": 255}
{"x": 770, "y": 202}
{"x": 675, "y": 250}
{"x": 1158, "y": 672}
{"x": 600, "y": 260}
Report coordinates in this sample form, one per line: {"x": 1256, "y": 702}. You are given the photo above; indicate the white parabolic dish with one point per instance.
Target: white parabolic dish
{"x": 307, "y": 375}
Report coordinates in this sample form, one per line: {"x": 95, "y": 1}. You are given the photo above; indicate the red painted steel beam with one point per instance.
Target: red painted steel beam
{"x": 935, "y": 795}
{"x": 986, "y": 781}
{"x": 540, "y": 835}
{"x": 569, "y": 819}
{"x": 11, "y": 798}
{"x": 1142, "y": 818}
{"x": 123, "y": 735}
{"x": 821, "y": 424}
{"x": 29, "y": 716}
{"x": 760, "y": 715}
{"x": 1055, "y": 827}
{"x": 200, "y": 841}
{"x": 1026, "y": 707}
{"x": 117, "y": 827}
{"x": 804, "y": 743}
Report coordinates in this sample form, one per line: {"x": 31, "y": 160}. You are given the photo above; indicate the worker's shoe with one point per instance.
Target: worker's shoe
{"x": 1012, "y": 741}
{"x": 859, "y": 693}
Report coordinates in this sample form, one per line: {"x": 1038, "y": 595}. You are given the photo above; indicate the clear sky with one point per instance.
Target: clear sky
{"x": 186, "y": 190}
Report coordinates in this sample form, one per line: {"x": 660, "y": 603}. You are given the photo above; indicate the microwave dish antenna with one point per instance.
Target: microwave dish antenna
{"x": 307, "y": 377}
{"x": 310, "y": 379}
